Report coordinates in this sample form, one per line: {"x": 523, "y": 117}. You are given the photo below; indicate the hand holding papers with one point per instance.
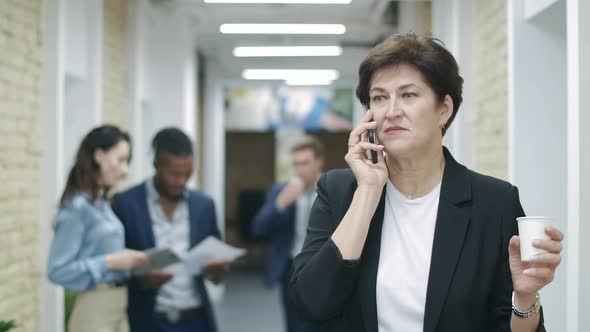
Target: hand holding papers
{"x": 158, "y": 259}
{"x": 210, "y": 250}
{"x": 211, "y": 254}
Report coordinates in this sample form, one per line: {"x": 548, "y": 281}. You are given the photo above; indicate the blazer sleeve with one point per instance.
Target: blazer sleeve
{"x": 322, "y": 281}
{"x": 120, "y": 207}
{"x": 268, "y": 214}
{"x": 501, "y": 301}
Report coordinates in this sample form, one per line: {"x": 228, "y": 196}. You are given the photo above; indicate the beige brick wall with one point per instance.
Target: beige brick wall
{"x": 115, "y": 64}
{"x": 20, "y": 67}
{"x": 491, "y": 86}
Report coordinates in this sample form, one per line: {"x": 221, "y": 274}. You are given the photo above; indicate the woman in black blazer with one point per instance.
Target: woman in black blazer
{"x": 416, "y": 241}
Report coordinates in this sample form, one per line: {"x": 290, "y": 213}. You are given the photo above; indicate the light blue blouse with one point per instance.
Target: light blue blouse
{"x": 84, "y": 233}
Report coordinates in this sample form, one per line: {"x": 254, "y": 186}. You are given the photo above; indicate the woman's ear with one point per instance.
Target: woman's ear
{"x": 446, "y": 110}
{"x": 99, "y": 155}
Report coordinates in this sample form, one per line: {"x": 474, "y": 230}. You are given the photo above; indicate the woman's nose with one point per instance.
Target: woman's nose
{"x": 393, "y": 110}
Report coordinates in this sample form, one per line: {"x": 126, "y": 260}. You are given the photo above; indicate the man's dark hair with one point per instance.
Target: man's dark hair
{"x": 172, "y": 140}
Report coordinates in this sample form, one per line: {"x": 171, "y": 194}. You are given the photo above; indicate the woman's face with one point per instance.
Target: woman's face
{"x": 114, "y": 163}
{"x": 408, "y": 113}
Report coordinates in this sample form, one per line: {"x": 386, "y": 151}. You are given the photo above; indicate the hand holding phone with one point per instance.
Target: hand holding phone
{"x": 363, "y": 144}
{"x": 372, "y": 140}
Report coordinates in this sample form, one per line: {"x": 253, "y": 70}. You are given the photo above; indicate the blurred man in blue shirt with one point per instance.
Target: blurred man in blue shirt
{"x": 284, "y": 217}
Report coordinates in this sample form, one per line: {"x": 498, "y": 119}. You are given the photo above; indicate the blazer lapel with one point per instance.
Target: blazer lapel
{"x": 451, "y": 228}
{"x": 193, "y": 218}
{"x": 146, "y": 223}
{"x": 195, "y": 236}
{"x": 370, "y": 264}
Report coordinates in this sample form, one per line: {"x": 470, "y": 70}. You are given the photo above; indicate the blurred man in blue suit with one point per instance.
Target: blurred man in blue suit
{"x": 163, "y": 213}
{"x": 283, "y": 218}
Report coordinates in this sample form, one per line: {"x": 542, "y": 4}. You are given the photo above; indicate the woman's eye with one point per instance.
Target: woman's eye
{"x": 378, "y": 98}
{"x": 409, "y": 95}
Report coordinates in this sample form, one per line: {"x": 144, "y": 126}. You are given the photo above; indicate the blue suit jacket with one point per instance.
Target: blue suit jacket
{"x": 131, "y": 207}
{"x": 280, "y": 226}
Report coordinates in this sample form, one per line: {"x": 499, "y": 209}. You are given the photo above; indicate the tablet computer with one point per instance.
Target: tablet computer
{"x": 158, "y": 258}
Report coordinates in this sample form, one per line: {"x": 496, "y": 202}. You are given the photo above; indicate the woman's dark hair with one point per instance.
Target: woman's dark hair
{"x": 172, "y": 140}
{"x": 428, "y": 55}
{"x": 85, "y": 173}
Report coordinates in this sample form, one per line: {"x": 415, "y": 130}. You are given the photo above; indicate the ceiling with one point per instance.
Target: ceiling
{"x": 367, "y": 21}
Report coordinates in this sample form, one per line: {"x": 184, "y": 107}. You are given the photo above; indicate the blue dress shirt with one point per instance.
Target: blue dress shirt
{"x": 84, "y": 233}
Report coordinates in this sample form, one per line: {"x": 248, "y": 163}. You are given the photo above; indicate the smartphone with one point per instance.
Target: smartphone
{"x": 372, "y": 140}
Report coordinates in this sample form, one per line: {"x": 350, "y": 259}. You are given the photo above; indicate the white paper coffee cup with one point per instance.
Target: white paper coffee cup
{"x": 529, "y": 229}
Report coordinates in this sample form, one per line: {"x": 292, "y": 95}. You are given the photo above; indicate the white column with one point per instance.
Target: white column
{"x": 82, "y": 71}
{"x": 94, "y": 43}
{"x": 135, "y": 61}
{"x": 213, "y": 152}
{"x": 537, "y": 119}
{"x": 145, "y": 79}
{"x": 51, "y": 298}
{"x": 189, "y": 91}
{"x": 452, "y": 22}
{"x": 164, "y": 76}
{"x": 71, "y": 93}
{"x": 189, "y": 79}
{"x": 578, "y": 181}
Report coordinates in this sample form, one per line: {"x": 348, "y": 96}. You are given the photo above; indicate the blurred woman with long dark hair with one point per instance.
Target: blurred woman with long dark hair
{"x": 88, "y": 252}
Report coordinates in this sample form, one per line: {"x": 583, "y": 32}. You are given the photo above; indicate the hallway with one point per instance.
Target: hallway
{"x": 241, "y": 88}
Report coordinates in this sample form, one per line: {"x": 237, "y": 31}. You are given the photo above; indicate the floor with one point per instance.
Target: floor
{"x": 247, "y": 306}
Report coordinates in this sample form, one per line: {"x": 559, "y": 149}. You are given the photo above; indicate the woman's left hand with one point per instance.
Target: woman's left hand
{"x": 529, "y": 277}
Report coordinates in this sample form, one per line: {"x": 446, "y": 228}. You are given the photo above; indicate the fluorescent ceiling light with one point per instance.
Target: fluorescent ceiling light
{"x": 308, "y": 82}
{"x": 276, "y": 51}
{"x": 309, "y": 29}
{"x": 290, "y": 74}
{"x": 313, "y": 2}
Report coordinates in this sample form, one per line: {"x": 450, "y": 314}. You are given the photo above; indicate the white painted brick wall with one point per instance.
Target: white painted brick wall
{"x": 20, "y": 67}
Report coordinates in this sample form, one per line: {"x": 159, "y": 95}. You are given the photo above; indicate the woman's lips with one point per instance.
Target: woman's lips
{"x": 395, "y": 130}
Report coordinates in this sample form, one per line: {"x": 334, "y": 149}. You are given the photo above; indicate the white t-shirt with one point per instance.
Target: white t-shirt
{"x": 404, "y": 260}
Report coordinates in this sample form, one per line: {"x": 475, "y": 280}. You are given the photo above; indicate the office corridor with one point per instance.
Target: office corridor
{"x": 223, "y": 73}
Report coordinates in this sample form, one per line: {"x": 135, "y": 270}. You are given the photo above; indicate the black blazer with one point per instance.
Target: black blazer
{"x": 469, "y": 286}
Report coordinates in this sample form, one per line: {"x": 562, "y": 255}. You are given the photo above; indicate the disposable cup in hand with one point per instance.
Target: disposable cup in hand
{"x": 530, "y": 229}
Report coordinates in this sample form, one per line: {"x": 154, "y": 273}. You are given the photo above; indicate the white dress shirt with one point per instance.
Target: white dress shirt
{"x": 179, "y": 292}
{"x": 302, "y": 210}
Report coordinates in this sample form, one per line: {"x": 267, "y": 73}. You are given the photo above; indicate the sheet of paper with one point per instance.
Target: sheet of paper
{"x": 207, "y": 250}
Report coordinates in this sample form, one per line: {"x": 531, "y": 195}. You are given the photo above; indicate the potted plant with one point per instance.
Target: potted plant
{"x": 6, "y": 326}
